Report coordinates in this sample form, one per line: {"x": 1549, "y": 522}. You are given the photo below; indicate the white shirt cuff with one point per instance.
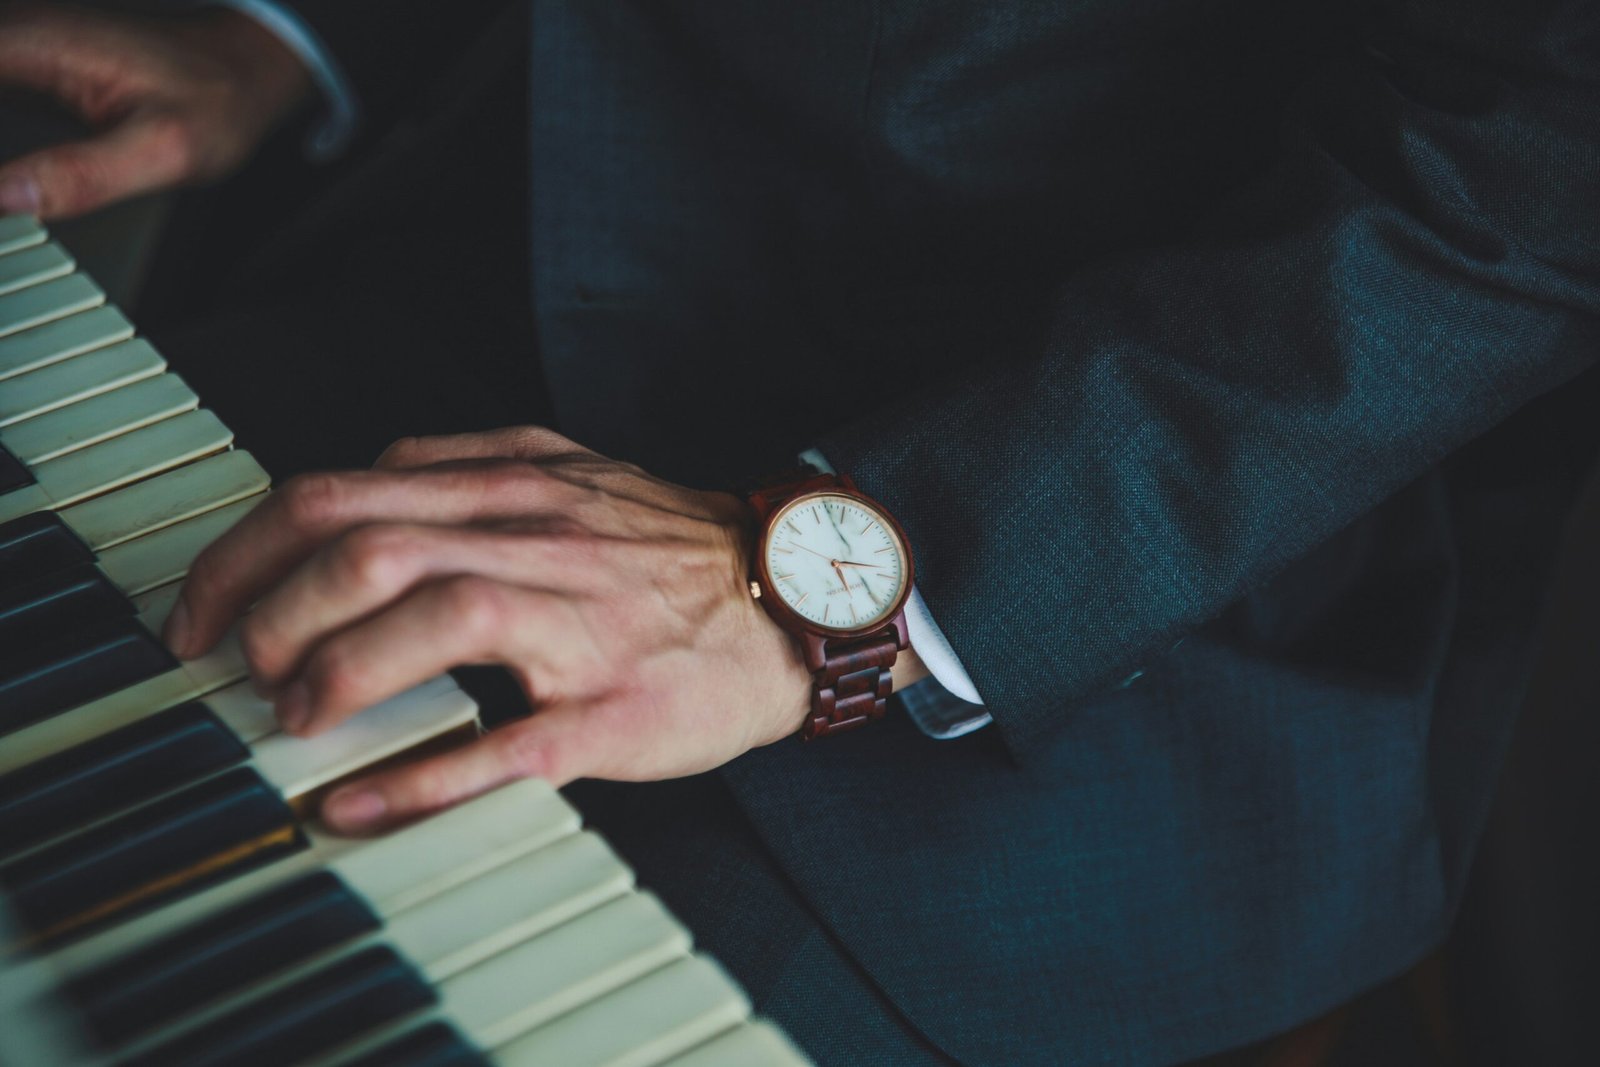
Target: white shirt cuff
{"x": 935, "y": 713}
{"x": 332, "y": 134}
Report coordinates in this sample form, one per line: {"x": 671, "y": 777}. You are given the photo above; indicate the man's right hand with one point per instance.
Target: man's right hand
{"x": 173, "y": 102}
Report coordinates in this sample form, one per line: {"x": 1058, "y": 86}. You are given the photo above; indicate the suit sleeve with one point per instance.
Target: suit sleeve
{"x": 390, "y": 51}
{"x": 1421, "y": 258}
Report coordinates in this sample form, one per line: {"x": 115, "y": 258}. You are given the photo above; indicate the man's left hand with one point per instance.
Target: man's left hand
{"x": 619, "y": 601}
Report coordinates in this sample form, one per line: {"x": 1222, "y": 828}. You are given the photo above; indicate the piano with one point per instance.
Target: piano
{"x": 166, "y": 894}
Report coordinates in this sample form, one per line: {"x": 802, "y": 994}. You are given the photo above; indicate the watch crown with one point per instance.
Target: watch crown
{"x": 755, "y": 589}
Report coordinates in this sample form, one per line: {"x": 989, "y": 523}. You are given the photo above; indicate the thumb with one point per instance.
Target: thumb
{"x": 141, "y": 154}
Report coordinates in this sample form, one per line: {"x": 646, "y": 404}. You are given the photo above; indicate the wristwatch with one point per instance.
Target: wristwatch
{"x": 833, "y": 568}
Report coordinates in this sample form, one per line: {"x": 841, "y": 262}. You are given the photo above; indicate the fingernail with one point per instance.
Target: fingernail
{"x": 294, "y": 707}
{"x": 353, "y": 808}
{"x": 19, "y": 195}
{"x": 177, "y": 629}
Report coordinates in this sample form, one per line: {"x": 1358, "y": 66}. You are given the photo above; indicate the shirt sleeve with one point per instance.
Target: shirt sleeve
{"x": 332, "y": 133}
{"x": 946, "y": 705}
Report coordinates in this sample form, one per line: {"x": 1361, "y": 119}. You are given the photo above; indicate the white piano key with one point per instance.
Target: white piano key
{"x": 142, "y": 564}
{"x": 400, "y": 870}
{"x": 297, "y": 765}
{"x": 145, "y": 507}
{"x": 559, "y": 971}
{"x": 508, "y": 905}
{"x": 19, "y": 231}
{"x": 455, "y": 929}
{"x": 61, "y": 339}
{"x": 249, "y": 716}
{"x": 755, "y": 1044}
{"x": 46, "y": 302}
{"x": 71, "y": 380}
{"x": 98, "y": 418}
{"x": 99, "y": 468}
{"x": 18, "y": 270}
{"x": 193, "y": 678}
{"x": 663, "y": 1014}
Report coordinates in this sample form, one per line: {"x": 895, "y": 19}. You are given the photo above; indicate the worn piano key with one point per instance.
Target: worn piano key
{"x": 30, "y": 266}
{"x": 167, "y": 498}
{"x": 89, "y": 471}
{"x": 155, "y": 559}
{"x": 26, "y": 350}
{"x": 47, "y": 799}
{"x": 559, "y": 971}
{"x": 71, "y": 380}
{"x": 59, "y": 384}
{"x": 13, "y": 473}
{"x": 46, "y": 302}
{"x": 152, "y": 987}
{"x": 345, "y": 999}
{"x": 432, "y": 1045}
{"x": 663, "y": 1014}
{"x": 523, "y": 898}
{"x": 40, "y": 680}
{"x": 57, "y": 603}
{"x": 429, "y": 710}
{"x": 392, "y": 873}
{"x": 172, "y": 846}
{"x": 19, "y": 231}
{"x": 98, "y": 418}
{"x": 752, "y": 1044}
{"x": 443, "y": 935}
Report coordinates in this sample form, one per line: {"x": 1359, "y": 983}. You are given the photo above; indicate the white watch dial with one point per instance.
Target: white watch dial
{"x": 835, "y": 561}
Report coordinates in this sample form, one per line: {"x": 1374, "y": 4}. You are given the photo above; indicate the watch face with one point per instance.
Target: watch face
{"x": 836, "y": 561}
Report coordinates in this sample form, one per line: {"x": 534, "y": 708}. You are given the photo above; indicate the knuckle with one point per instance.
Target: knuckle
{"x": 337, "y": 678}
{"x": 527, "y": 754}
{"x": 173, "y": 141}
{"x": 406, "y": 452}
{"x": 376, "y": 557}
{"x": 256, "y": 644}
{"x": 477, "y": 605}
{"x": 311, "y": 501}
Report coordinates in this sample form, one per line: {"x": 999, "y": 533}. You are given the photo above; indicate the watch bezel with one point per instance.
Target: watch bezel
{"x": 792, "y": 618}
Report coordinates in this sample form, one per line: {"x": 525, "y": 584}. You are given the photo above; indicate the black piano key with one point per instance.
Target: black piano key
{"x": 13, "y": 475}
{"x": 338, "y": 1003}
{"x": 38, "y": 543}
{"x": 57, "y": 605}
{"x": 52, "y": 796}
{"x": 175, "y": 845}
{"x": 45, "y": 679}
{"x": 228, "y": 952}
{"x": 433, "y": 1045}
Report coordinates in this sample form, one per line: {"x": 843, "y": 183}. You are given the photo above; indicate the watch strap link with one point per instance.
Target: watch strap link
{"x": 853, "y": 685}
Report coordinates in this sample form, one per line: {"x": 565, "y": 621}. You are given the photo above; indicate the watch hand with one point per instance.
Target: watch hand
{"x": 814, "y": 552}
{"x": 849, "y": 563}
{"x": 842, "y": 582}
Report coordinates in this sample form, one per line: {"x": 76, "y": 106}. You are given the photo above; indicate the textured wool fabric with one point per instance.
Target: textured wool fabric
{"x": 1164, "y": 327}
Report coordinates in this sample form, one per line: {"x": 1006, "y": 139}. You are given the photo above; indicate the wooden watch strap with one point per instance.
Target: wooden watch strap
{"x": 853, "y": 685}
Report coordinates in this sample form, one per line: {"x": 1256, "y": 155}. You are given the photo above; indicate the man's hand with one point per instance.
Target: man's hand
{"x": 621, "y": 603}
{"x": 173, "y": 102}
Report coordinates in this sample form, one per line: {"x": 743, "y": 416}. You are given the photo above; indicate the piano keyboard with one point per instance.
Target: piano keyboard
{"x": 171, "y": 901}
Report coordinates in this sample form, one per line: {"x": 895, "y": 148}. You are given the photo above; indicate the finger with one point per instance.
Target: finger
{"x": 369, "y": 567}
{"x": 141, "y": 154}
{"x": 443, "y": 624}
{"x": 310, "y": 510}
{"x": 558, "y": 744}
{"x": 518, "y": 442}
